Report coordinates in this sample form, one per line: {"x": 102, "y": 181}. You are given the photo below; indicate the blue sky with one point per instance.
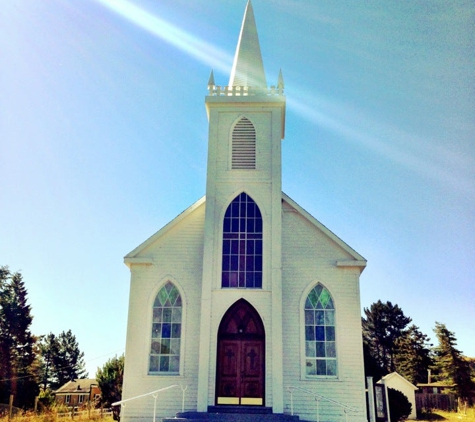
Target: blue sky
{"x": 103, "y": 140}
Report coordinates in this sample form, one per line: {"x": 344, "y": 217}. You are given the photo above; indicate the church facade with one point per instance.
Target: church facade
{"x": 245, "y": 299}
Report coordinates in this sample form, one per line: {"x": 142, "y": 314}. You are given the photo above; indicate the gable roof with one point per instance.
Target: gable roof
{"x": 77, "y": 386}
{"x": 356, "y": 259}
{"x": 394, "y": 375}
{"x": 131, "y": 257}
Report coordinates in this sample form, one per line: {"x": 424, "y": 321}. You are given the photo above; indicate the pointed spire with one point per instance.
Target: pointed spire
{"x": 248, "y": 69}
{"x": 280, "y": 81}
{"x": 211, "y": 83}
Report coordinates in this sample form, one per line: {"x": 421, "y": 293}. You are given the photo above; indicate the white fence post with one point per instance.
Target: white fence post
{"x": 371, "y": 403}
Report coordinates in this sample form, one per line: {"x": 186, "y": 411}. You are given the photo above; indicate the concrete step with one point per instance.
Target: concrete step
{"x": 233, "y": 414}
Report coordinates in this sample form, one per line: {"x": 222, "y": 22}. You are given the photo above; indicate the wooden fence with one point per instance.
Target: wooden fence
{"x": 85, "y": 414}
{"x": 10, "y": 412}
{"x": 426, "y": 402}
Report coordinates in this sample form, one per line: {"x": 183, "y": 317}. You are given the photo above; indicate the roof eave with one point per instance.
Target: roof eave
{"x": 358, "y": 260}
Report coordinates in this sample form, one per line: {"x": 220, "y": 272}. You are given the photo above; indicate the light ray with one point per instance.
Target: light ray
{"x": 201, "y": 50}
{"x": 406, "y": 149}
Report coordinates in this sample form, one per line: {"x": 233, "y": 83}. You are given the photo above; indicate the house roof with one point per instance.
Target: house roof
{"x": 436, "y": 384}
{"x": 356, "y": 260}
{"x": 394, "y": 375}
{"x": 77, "y": 386}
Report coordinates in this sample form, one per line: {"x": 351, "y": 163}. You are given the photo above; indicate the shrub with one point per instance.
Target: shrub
{"x": 399, "y": 405}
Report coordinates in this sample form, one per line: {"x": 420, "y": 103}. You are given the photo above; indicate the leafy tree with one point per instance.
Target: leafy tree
{"x": 413, "y": 355}
{"x": 450, "y": 365}
{"x": 399, "y": 405}
{"x": 17, "y": 353}
{"x": 383, "y": 324}
{"x": 61, "y": 360}
{"x": 109, "y": 378}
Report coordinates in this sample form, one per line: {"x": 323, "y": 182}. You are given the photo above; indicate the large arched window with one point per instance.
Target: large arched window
{"x": 320, "y": 337}
{"x": 242, "y": 244}
{"x": 166, "y": 331}
{"x": 244, "y": 145}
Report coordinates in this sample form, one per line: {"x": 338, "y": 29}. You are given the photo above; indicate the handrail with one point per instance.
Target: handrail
{"x": 319, "y": 397}
{"x": 155, "y": 395}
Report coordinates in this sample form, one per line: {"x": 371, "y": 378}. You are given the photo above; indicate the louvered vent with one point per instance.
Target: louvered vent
{"x": 244, "y": 145}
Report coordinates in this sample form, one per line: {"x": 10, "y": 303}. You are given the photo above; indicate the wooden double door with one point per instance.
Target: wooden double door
{"x": 240, "y": 371}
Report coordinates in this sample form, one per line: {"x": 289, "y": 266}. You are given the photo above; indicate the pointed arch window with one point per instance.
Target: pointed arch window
{"x": 166, "y": 331}
{"x": 242, "y": 244}
{"x": 320, "y": 338}
{"x": 244, "y": 145}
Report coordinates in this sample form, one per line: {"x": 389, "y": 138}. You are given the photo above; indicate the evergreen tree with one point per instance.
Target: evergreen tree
{"x": 383, "y": 325}
{"x": 48, "y": 347}
{"x": 109, "y": 378}
{"x": 62, "y": 360}
{"x": 371, "y": 365}
{"x": 450, "y": 365}
{"x": 17, "y": 353}
{"x": 413, "y": 356}
{"x": 5, "y": 369}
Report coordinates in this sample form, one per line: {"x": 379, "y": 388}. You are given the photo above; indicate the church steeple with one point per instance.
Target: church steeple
{"x": 248, "y": 69}
{"x": 246, "y": 127}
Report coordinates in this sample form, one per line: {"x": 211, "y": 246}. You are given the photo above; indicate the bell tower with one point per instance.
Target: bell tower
{"x": 246, "y": 126}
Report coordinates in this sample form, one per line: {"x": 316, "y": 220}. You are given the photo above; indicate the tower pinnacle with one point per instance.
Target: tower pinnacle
{"x": 248, "y": 69}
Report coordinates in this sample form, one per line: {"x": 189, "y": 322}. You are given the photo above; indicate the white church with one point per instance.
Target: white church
{"x": 245, "y": 301}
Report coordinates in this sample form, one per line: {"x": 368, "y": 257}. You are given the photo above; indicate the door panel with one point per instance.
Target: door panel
{"x": 252, "y": 362}
{"x": 229, "y": 374}
{"x": 240, "y": 361}
{"x": 241, "y": 371}
{"x": 251, "y": 370}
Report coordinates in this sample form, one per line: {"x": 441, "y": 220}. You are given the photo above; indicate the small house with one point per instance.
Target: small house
{"x": 77, "y": 393}
{"x": 439, "y": 387}
{"x": 398, "y": 382}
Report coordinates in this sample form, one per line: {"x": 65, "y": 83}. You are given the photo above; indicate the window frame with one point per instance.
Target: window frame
{"x": 152, "y": 339}
{"x": 303, "y": 354}
{"x": 234, "y": 242}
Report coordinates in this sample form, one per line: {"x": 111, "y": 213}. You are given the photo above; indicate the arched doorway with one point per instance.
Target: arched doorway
{"x": 240, "y": 369}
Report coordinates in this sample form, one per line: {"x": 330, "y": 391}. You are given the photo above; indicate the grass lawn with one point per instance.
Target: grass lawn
{"x": 440, "y": 415}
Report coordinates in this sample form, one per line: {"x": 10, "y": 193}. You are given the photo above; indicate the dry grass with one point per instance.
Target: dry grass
{"x": 53, "y": 417}
{"x": 440, "y": 415}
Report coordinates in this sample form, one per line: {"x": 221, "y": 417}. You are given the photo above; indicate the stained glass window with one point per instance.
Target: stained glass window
{"x": 242, "y": 244}
{"x": 320, "y": 341}
{"x": 166, "y": 331}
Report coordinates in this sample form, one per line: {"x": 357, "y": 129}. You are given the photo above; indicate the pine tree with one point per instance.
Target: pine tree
{"x": 383, "y": 325}
{"x": 61, "y": 360}
{"x": 17, "y": 353}
{"x": 48, "y": 347}
{"x": 413, "y": 356}
{"x": 68, "y": 361}
{"x": 450, "y": 365}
